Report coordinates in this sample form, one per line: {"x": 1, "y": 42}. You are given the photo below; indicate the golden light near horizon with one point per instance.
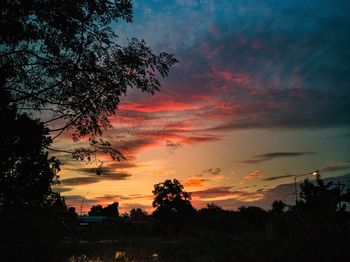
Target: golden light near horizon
{"x": 242, "y": 112}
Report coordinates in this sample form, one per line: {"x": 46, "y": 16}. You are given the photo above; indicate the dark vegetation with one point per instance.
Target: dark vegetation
{"x": 62, "y": 58}
{"x": 316, "y": 228}
{"x": 62, "y": 69}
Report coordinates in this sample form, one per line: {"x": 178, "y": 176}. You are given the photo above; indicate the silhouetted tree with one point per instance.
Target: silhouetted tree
{"x": 137, "y": 213}
{"x": 111, "y": 210}
{"x": 211, "y": 210}
{"x": 29, "y": 220}
{"x": 320, "y": 196}
{"x": 278, "y": 206}
{"x": 277, "y": 219}
{"x": 108, "y": 211}
{"x": 62, "y": 56}
{"x": 320, "y": 206}
{"x": 172, "y": 203}
{"x": 318, "y": 226}
{"x": 26, "y": 171}
{"x": 96, "y": 210}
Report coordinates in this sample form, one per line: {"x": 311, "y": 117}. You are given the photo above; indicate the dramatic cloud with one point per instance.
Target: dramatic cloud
{"x": 241, "y": 68}
{"x": 270, "y": 156}
{"x": 272, "y": 65}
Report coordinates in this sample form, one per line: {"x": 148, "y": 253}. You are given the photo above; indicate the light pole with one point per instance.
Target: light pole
{"x": 315, "y": 173}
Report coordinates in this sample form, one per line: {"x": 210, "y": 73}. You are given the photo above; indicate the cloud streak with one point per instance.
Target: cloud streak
{"x": 252, "y": 176}
{"x": 93, "y": 178}
{"x": 273, "y": 178}
{"x": 274, "y": 155}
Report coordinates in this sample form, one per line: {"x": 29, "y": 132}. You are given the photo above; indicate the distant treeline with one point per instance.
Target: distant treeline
{"x": 316, "y": 228}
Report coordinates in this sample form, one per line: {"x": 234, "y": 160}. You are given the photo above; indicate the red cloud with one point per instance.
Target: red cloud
{"x": 148, "y": 106}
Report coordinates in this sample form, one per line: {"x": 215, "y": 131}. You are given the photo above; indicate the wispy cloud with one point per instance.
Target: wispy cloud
{"x": 273, "y": 155}
{"x": 212, "y": 171}
{"x": 194, "y": 182}
{"x": 334, "y": 166}
{"x": 252, "y": 176}
{"x": 224, "y": 192}
{"x": 93, "y": 178}
{"x": 273, "y": 178}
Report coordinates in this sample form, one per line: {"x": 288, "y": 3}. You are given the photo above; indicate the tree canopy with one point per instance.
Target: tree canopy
{"x": 63, "y": 57}
{"x": 171, "y": 201}
{"x": 26, "y": 171}
{"x": 108, "y": 211}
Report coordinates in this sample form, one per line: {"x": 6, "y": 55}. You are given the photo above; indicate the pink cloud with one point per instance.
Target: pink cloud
{"x": 147, "y": 106}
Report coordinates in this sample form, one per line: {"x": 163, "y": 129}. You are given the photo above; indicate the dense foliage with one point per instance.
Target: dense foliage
{"x": 108, "y": 211}
{"x": 26, "y": 171}
{"x": 172, "y": 203}
{"x": 32, "y": 215}
{"x": 63, "y": 57}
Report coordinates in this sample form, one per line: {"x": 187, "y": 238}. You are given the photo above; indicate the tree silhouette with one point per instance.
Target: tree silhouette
{"x": 96, "y": 210}
{"x": 63, "y": 58}
{"x": 29, "y": 218}
{"x": 26, "y": 171}
{"x": 108, "y": 211}
{"x": 278, "y": 207}
{"x": 277, "y": 220}
{"x": 171, "y": 201}
{"x": 321, "y": 196}
{"x": 137, "y": 213}
{"x": 321, "y": 208}
{"x": 111, "y": 210}
{"x": 211, "y": 210}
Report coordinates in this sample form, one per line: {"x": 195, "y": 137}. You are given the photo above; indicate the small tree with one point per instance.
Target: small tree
{"x": 172, "y": 202}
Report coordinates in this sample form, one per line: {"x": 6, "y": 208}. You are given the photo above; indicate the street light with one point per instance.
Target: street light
{"x": 314, "y": 173}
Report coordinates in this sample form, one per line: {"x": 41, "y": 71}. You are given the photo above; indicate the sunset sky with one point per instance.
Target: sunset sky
{"x": 261, "y": 93}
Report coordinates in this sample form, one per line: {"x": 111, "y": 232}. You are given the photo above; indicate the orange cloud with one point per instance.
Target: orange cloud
{"x": 194, "y": 182}
{"x": 254, "y": 175}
